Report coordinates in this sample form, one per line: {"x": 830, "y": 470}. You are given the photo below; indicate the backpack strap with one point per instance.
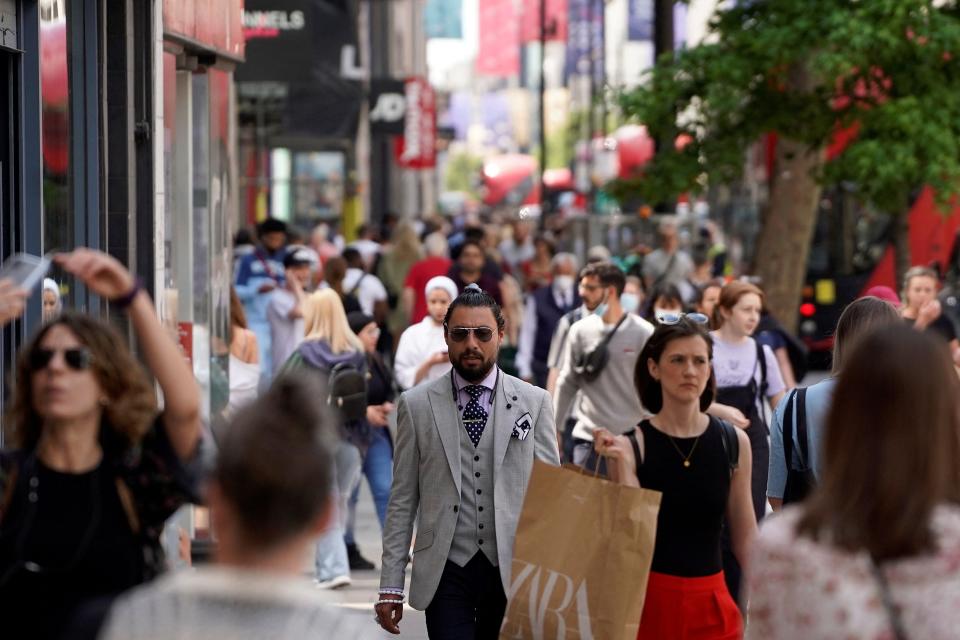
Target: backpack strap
{"x": 787, "y": 429}
{"x": 802, "y": 428}
{"x": 731, "y": 444}
{"x": 356, "y": 287}
{"x": 762, "y": 363}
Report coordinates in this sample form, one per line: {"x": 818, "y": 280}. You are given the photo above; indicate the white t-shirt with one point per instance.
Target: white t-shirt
{"x": 370, "y": 291}
{"x": 417, "y": 343}
{"x": 285, "y": 332}
{"x": 734, "y": 363}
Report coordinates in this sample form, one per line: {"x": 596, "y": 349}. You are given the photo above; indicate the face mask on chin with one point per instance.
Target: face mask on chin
{"x": 602, "y": 307}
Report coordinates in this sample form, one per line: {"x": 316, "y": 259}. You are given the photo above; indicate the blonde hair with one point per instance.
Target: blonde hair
{"x": 325, "y": 319}
{"x": 917, "y": 272}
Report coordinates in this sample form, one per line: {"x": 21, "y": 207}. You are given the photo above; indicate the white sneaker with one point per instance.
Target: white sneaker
{"x": 337, "y": 582}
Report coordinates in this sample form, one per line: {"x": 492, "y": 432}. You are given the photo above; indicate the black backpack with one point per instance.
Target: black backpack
{"x": 800, "y": 482}
{"x": 347, "y": 391}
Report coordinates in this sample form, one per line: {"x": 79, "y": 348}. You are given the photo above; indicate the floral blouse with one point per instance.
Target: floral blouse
{"x": 803, "y": 589}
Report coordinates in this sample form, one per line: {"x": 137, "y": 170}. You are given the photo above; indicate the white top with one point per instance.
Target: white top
{"x": 368, "y": 249}
{"x": 806, "y": 590}
{"x": 216, "y": 603}
{"x": 370, "y": 291}
{"x": 286, "y": 333}
{"x": 417, "y": 343}
{"x": 244, "y": 384}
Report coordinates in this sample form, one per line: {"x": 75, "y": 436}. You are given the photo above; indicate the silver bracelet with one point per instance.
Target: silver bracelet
{"x": 401, "y": 601}
{"x": 393, "y": 592}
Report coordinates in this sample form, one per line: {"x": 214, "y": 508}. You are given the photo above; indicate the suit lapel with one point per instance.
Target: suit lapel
{"x": 447, "y": 423}
{"x": 504, "y": 414}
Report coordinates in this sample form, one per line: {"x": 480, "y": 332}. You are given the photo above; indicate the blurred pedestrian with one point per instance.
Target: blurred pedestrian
{"x": 244, "y": 359}
{"x": 269, "y": 497}
{"x": 285, "y": 309}
{"x": 367, "y": 244}
{"x": 922, "y": 309}
{"x": 258, "y": 274}
{"x": 884, "y": 293}
{"x": 543, "y": 311}
{"x": 436, "y": 263}
{"x": 422, "y": 351}
{"x": 519, "y": 247}
{"x": 97, "y": 468}
{"x": 537, "y": 271}
{"x": 665, "y": 298}
{"x": 668, "y": 263}
{"x": 334, "y": 274}
{"x": 330, "y": 345}
{"x": 52, "y": 304}
{"x": 873, "y": 552}
{"x": 858, "y": 318}
{"x": 376, "y": 448}
{"x": 394, "y": 266}
{"x": 632, "y": 299}
{"x": 706, "y": 299}
{"x": 469, "y": 269}
{"x": 702, "y": 467}
{"x": 364, "y": 286}
{"x": 604, "y": 380}
{"x": 747, "y": 373}
{"x": 462, "y": 567}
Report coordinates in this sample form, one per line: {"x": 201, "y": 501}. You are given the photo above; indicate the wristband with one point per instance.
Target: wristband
{"x": 381, "y": 601}
{"x": 391, "y": 592}
{"x": 126, "y": 299}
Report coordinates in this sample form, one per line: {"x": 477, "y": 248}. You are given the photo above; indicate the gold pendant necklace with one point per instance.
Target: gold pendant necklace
{"x": 686, "y": 458}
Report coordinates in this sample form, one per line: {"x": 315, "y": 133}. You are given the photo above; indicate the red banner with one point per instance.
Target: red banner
{"x": 417, "y": 147}
{"x": 556, "y": 26}
{"x": 499, "y": 50}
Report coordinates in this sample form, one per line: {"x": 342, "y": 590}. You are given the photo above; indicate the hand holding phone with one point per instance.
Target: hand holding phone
{"x": 25, "y": 271}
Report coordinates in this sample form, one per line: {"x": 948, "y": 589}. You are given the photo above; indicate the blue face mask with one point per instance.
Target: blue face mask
{"x": 630, "y": 302}
{"x": 602, "y": 307}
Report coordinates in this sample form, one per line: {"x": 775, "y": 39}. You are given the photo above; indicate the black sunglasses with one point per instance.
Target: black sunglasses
{"x": 459, "y": 334}
{"x": 77, "y": 358}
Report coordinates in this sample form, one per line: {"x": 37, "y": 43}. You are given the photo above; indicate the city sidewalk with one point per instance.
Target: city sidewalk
{"x": 359, "y": 597}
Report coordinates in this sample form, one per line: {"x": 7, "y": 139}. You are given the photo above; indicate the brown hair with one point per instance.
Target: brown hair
{"x": 132, "y": 402}
{"x": 648, "y": 388}
{"x": 238, "y": 318}
{"x": 334, "y": 272}
{"x": 274, "y": 463}
{"x": 857, "y": 319}
{"x": 730, "y": 295}
{"x": 891, "y": 446}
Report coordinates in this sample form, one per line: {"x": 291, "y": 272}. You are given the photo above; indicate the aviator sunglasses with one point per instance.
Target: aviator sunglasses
{"x": 675, "y": 318}
{"x": 77, "y": 358}
{"x": 459, "y": 334}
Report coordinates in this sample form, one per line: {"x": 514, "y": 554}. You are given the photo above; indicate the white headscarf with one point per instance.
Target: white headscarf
{"x": 441, "y": 282}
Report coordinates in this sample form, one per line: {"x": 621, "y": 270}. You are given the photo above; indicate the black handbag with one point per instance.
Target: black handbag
{"x": 800, "y": 482}
{"x": 590, "y": 365}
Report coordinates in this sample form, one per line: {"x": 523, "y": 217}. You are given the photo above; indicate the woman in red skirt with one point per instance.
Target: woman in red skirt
{"x": 702, "y": 467}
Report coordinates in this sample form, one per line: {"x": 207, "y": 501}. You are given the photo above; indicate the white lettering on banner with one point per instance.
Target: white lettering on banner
{"x": 540, "y": 601}
{"x": 411, "y": 131}
{"x": 282, "y": 20}
{"x": 349, "y": 68}
{"x": 390, "y": 107}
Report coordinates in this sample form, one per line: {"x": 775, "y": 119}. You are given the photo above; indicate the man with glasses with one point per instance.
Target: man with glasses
{"x": 600, "y": 389}
{"x": 465, "y": 449}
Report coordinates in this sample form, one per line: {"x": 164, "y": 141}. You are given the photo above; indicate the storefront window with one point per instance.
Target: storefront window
{"x": 58, "y": 227}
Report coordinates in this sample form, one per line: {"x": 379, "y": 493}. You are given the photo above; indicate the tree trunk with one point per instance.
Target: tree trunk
{"x": 901, "y": 243}
{"x": 784, "y": 240}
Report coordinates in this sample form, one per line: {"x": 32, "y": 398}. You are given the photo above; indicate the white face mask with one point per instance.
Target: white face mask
{"x": 630, "y": 302}
{"x": 563, "y": 283}
{"x": 660, "y": 311}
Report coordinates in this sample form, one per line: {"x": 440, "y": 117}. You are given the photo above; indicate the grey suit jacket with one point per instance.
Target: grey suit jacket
{"x": 426, "y": 477}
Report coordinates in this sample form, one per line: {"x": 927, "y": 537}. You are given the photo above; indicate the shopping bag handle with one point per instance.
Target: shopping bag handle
{"x": 596, "y": 468}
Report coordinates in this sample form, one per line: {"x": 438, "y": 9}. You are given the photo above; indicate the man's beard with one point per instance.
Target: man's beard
{"x": 475, "y": 375}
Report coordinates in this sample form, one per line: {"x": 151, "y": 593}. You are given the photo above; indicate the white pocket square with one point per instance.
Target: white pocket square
{"x": 521, "y": 428}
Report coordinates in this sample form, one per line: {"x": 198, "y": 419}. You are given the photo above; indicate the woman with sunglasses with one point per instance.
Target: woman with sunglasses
{"x": 97, "y": 469}
{"x": 702, "y": 467}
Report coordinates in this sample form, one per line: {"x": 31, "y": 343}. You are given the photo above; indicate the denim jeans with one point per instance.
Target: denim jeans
{"x": 378, "y": 468}
{"x": 331, "y": 551}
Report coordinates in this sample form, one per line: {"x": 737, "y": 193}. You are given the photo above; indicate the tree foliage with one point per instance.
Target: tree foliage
{"x": 806, "y": 69}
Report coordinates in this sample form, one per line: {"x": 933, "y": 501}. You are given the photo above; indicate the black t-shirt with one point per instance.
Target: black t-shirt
{"x": 942, "y": 326}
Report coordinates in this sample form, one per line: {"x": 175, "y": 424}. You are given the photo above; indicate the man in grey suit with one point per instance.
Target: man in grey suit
{"x": 464, "y": 453}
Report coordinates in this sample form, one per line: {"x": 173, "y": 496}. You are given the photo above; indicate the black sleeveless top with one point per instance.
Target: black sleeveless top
{"x": 694, "y": 499}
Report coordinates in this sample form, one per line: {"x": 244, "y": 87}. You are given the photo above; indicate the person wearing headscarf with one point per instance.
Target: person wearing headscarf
{"x": 422, "y": 352}
{"x": 52, "y": 304}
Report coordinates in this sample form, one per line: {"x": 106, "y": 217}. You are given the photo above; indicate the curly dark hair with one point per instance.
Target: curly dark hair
{"x": 649, "y": 390}
{"x": 131, "y": 404}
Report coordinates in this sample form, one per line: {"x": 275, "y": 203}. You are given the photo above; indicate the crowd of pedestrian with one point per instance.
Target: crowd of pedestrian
{"x": 439, "y": 365}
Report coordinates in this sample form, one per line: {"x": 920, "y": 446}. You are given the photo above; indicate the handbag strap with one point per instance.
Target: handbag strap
{"x": 893, "y": 614}
{"x": 607, "y": 338}
{"x": 632, "y": 437}
{"x": 802, "y": 428}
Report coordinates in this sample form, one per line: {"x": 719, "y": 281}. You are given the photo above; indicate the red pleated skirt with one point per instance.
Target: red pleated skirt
{"x": 689, "y": 609}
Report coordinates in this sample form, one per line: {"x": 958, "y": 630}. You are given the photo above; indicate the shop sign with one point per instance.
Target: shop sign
{"x": 416, "y": 148}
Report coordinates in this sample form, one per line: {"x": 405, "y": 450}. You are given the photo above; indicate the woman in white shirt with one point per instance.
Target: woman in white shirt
{"x": 422, "y": 352}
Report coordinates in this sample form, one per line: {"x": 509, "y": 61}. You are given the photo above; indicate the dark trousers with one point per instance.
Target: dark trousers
{"x": 469, "y": 603}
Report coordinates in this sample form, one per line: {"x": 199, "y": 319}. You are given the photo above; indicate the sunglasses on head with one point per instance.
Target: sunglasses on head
{"x": 675, "y": 318}
{"x": 77, "y": 358}
{"x": 459, "y": 334}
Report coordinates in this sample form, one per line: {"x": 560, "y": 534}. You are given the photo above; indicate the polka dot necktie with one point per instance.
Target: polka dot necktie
{"x": 474, "y": 415}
